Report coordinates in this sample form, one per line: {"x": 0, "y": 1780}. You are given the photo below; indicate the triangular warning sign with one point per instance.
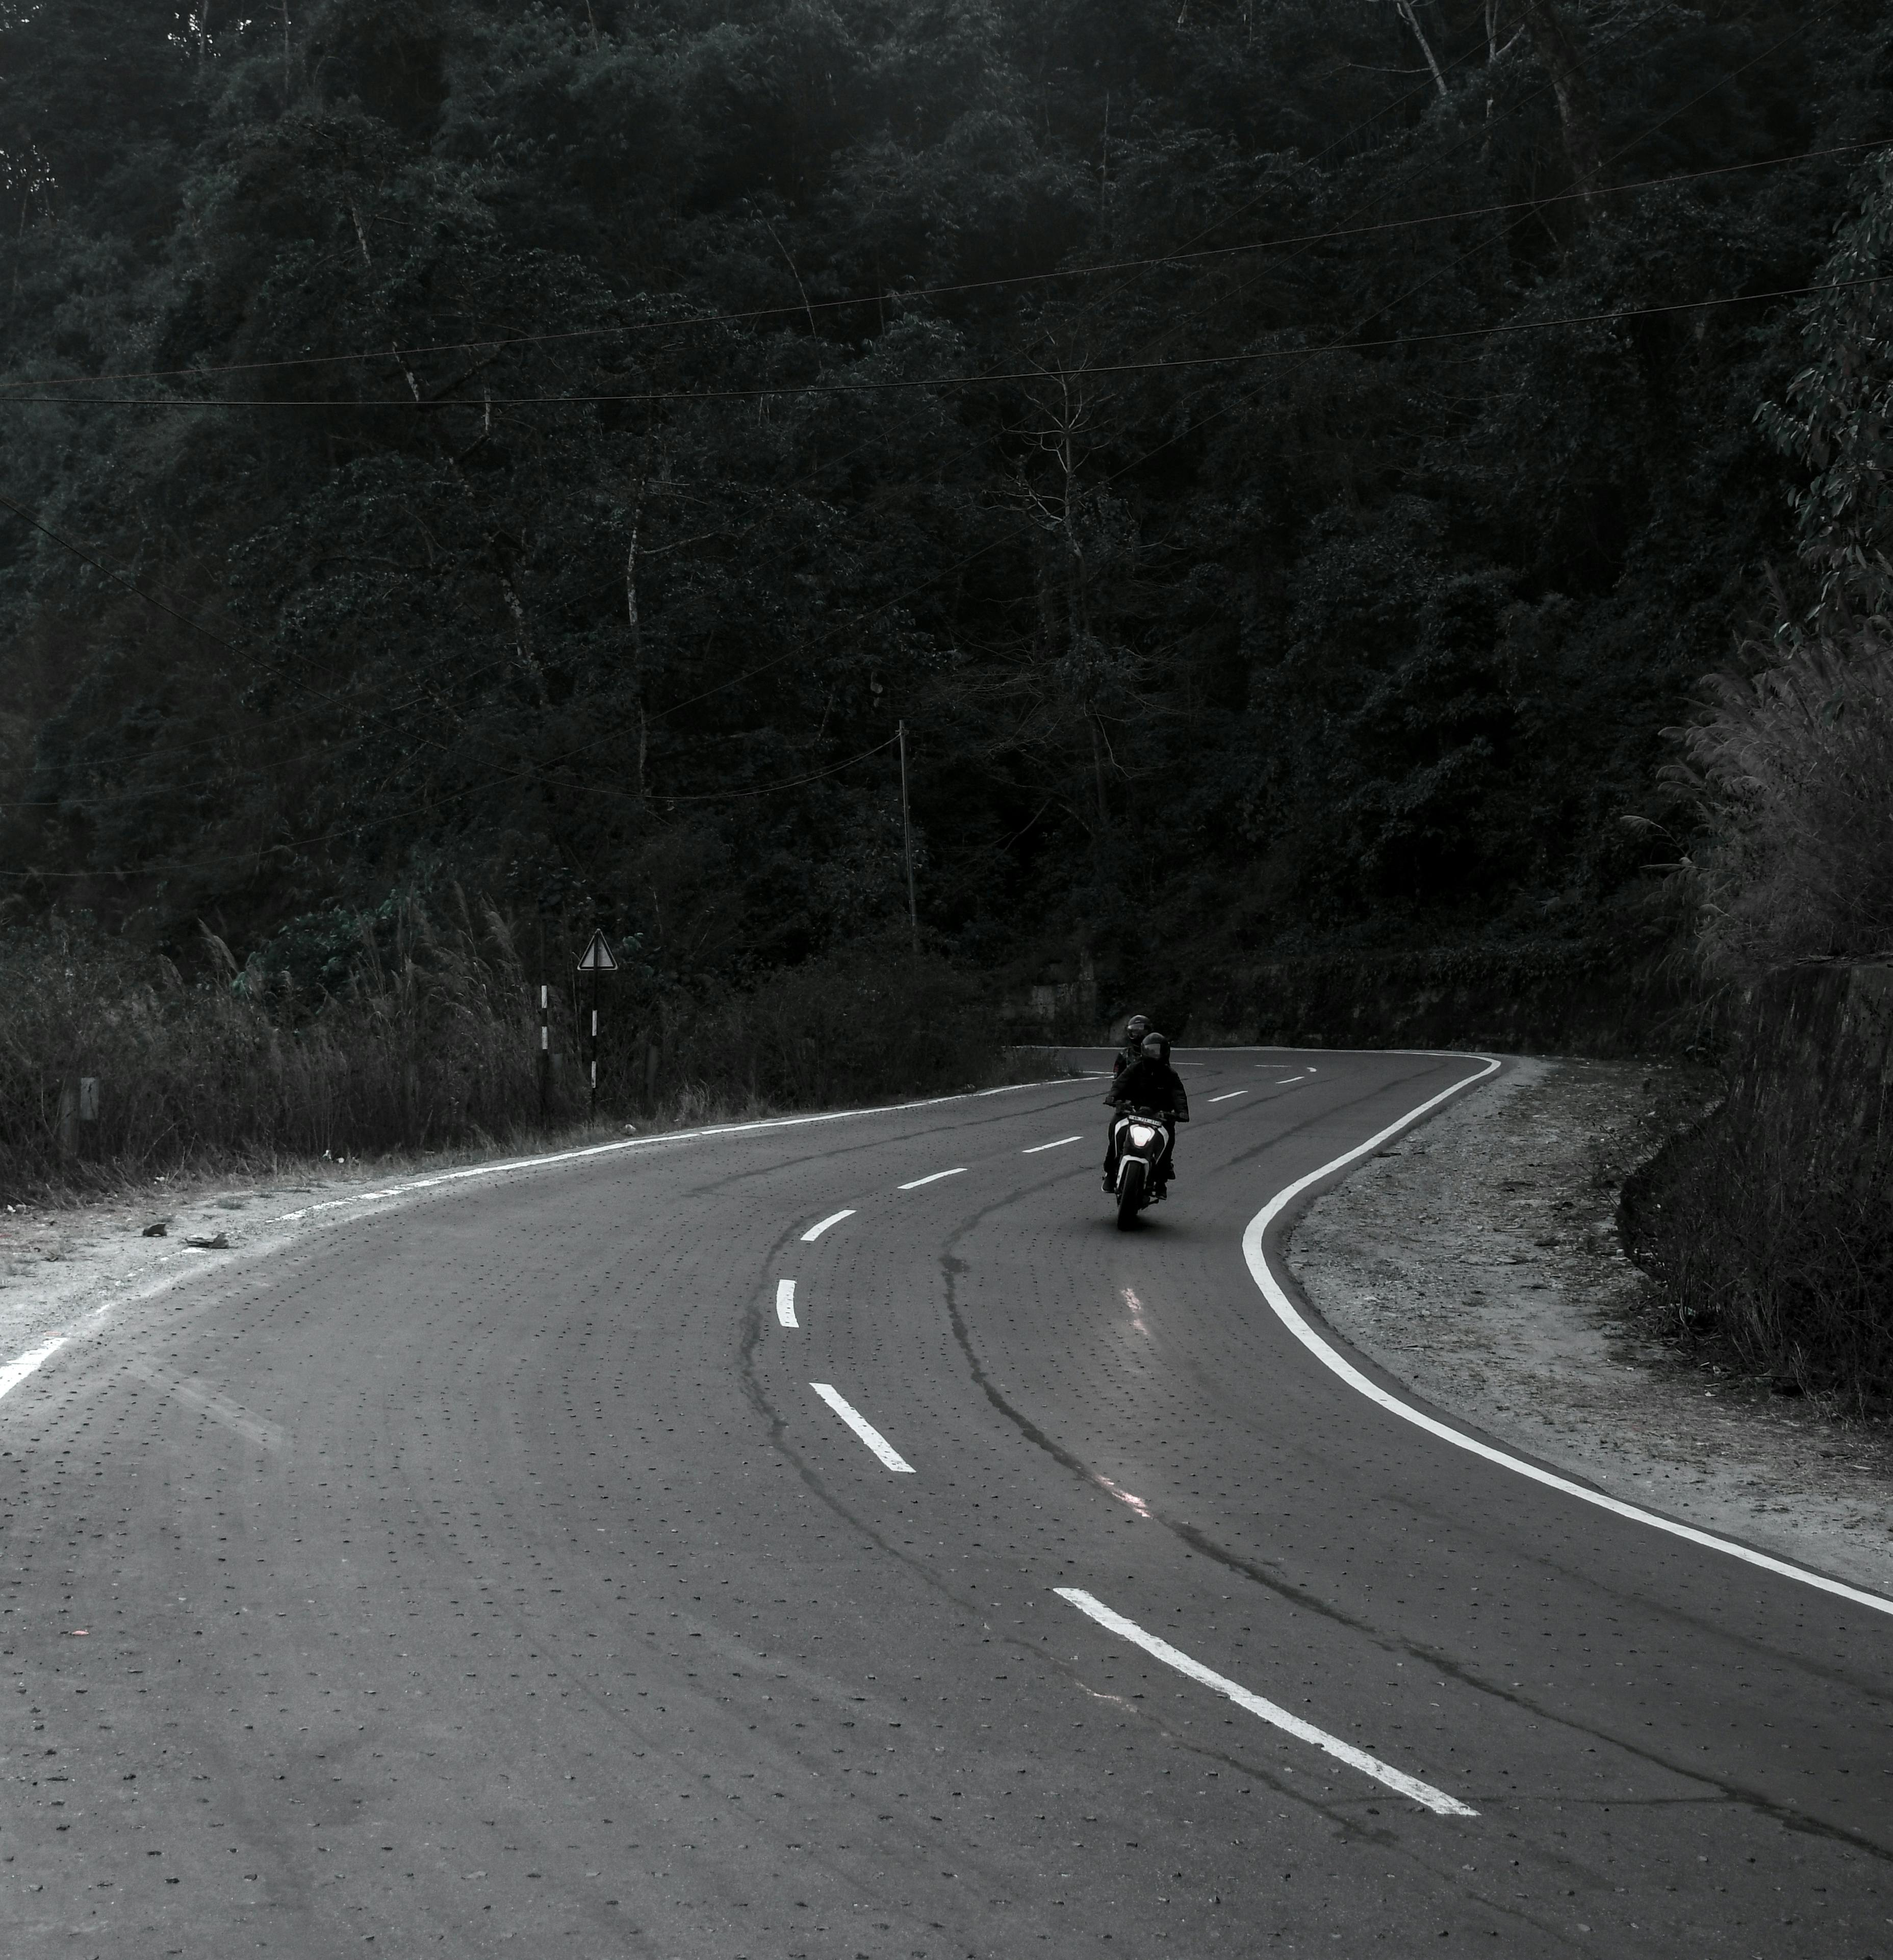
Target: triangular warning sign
{"x": 598, "y": 958}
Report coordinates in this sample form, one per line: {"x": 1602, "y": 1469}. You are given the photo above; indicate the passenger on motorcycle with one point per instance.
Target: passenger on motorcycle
{"x": 1149, "y": 1083}
{"x": 1135, "y": 1028}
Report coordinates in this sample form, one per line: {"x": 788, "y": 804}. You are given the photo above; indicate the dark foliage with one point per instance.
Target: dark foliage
{"x": 114, "y": 1066}
{"x": 1771, "y": 1222}
{"x": 528, "y": 446}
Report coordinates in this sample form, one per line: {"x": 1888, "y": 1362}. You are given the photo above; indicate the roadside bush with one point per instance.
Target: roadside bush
{"x": 1778, "y": 1243}
{"x": 1791, "y": 773}
{"x": 1770, "y": 1223}
{"x": 431, "y": 1042}
{"x": 854, "y": 1026}
{"x": 430, "y": 1039}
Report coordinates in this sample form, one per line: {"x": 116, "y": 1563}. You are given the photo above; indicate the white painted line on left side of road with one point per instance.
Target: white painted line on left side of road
{"x": 1291, "y": 1317}
{"x": 14, "y": 1372}
{"x": 1227, "y": 1093}
{"x": 785, "y": 1301}
{"x": 1435, "y": 1800}
{"x": 816, "y": 1230}
{"x": 864, "y": 1429}
{"x": 934, "y": 1178}
{"x": 710, "y": 1132}
{"x": 1032, "y": 1150}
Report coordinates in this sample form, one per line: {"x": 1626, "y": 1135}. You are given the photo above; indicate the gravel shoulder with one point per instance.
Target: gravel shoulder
{"x": 1477, "y": 1260}
{"x": 62, "y": 1266}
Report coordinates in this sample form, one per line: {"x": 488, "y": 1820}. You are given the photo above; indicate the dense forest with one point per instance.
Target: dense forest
{"x": 1286, "y": 462}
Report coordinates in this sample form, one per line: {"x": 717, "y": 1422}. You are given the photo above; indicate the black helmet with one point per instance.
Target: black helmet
{"x": 1137, "y": 1027}
{"x": 1156, "y": 1046}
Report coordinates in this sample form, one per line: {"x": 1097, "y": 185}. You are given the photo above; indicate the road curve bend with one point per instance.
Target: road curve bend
{"x": 838, "y": 1539}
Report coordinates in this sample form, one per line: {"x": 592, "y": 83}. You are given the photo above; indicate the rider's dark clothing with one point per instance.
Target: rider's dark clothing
{"x": 1147, "y": 1084}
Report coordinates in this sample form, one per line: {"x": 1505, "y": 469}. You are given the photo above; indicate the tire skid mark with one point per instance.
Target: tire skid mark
{"x": 1716, "y": 1788}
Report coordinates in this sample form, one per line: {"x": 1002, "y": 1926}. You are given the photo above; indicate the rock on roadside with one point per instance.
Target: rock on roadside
{"x": 1476, "y": 1260}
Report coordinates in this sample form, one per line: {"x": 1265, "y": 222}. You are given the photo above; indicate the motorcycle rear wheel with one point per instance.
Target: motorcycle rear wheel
{"x": 1129, "y": 1194}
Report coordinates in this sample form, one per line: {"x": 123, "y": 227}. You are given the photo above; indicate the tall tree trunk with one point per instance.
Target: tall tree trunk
{"x": 1405, "y": 10}
{"x": 522, "y": 627}
{"x": 637, "y": 634}
{"x": 1576, "y": 100}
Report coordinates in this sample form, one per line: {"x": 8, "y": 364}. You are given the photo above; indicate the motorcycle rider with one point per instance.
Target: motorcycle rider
{"x": 1149, "y": 1083}
{"x": 1135, "y": 1028}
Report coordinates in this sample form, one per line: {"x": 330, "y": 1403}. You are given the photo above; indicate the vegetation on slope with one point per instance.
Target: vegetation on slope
{"x": 1285, "y": 463}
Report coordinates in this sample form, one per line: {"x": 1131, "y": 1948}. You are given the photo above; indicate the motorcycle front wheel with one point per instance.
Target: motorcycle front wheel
{"x": 1129, "y": 1194}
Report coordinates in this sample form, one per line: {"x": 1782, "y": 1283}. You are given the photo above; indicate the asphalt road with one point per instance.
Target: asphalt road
{"x": 481, "y": 1572}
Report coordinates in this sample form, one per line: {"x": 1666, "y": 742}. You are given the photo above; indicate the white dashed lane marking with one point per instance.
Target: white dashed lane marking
{"x": 1435, "y": 1800}
{"x": 934, "y": 1178}
{"x": 833, "y": 1218}
{"x": 1227, "y": 1093}
{"x": 1032, "y": 1150}
{"x": 785, "y": 1303}
{"x": 864, "y": 1429}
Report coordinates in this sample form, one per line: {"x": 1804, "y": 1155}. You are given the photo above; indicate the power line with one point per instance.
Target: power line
{"x": 1038, "y": 373}
{"x": 902, "y": 598}
{"x": 13, "y": 391}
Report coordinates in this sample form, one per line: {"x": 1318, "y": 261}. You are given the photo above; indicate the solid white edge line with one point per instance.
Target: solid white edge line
{"x": 864, "y": 1429}
{"x": 1435, "y": 1800}
{"x": 1032, "y": 1150}
{"x": 646, "y": 1143}
{"x": 1291, "y": 1318}
{"x": 16, "y": 1371}
{"x": 1226, "y": 1094}
{"x": 959, "y": 1171}
{"x": 816, "y": 1230}
{"x": 785, "y": 1303}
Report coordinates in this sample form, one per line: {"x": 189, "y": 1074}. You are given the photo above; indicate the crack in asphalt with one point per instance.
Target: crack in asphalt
{"x": 1199, "y": 1541}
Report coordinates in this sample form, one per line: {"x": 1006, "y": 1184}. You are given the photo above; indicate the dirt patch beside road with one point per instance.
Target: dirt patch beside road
{"x": 1477, "y": 1260}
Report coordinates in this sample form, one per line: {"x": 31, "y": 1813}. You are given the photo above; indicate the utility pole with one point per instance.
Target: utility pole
{"x": 907, "y": 842}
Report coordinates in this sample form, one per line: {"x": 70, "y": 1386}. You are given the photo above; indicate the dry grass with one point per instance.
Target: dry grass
{"x": 1791, "y": 772}
{"x": 432, "y": 1045}
{"x": 1773, "y": 1236}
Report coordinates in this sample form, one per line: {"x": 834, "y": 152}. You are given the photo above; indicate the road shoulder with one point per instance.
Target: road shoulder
{"x": 1477, "y": 1261}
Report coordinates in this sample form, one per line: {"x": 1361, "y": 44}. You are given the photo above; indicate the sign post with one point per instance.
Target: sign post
{"x": 596, "y": 960}
{"x": 544, "y": 1052}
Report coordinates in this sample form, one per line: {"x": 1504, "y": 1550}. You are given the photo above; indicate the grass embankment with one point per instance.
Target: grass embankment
{"x": 432, "y": 1045}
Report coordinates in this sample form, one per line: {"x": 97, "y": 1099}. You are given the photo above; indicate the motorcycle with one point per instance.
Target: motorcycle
{"x": 1142, "y": 1140}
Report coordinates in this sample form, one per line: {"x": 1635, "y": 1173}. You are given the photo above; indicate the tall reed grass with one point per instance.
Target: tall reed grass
{"x": 1774, "y": 1238}
{"x": 432, "y": 1041}
{"x": 1772, "y": 1222}
{"x": 1790, "y": 770}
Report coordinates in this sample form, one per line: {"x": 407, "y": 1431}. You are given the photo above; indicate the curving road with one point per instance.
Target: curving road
{"x": 482, "y": 1571}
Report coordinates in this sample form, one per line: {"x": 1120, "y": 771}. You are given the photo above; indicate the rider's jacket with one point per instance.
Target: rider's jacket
{"x": 1146, "y": 1084}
